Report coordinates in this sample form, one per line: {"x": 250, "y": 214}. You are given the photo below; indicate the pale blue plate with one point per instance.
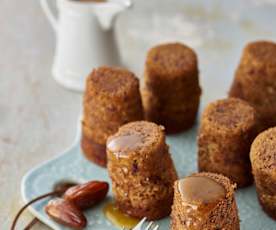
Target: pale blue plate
{"x": 72, "y": 165}
{"x": 217, "y": 29}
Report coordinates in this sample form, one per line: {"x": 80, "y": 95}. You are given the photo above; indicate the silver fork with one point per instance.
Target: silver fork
{"x": 141, "y": 225}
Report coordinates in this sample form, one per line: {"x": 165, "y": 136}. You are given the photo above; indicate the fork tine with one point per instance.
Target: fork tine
{"x": 156, "y": 227}
{"x": 149, "y": 226}
{"x": 140, "y": 224}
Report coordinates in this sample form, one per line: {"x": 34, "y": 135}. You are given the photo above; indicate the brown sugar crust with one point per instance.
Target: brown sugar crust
{"x": 261, "y": 53}
{"x": 230, "y": 115}
{"x": 171, "y": 91}
{"x": 143, "y": 174}
{"x": 255, "y": 80}
{"x": 263, "y": 159}
{"x": 111, "y": 99}
{"x": 171, "y": 60}
{"x": 120, "y": 81}
{"x": 227, "y": 130}
{"x": 223, "y": 215}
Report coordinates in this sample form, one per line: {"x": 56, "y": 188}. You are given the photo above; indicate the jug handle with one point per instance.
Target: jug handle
{"x": 49, "y": 13}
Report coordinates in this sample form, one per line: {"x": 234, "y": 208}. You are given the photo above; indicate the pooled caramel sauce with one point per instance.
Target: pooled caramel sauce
{"x": 118, "y": 218}
{"x": 122, "y": 144}
{"x": 200, "y": 192}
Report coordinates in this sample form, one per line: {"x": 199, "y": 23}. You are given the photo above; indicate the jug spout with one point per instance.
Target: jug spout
{"x": 107, "y": 12}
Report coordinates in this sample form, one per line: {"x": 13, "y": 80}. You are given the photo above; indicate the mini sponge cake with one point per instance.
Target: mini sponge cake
{"x": 204, "y": 201}
{"x": 171, "y": 92}
{"x": 255, "y": 80}
{"x": 141, "y": 170}
{"x": 111, "y": 99}
{"x": 263, "y": 159}
{"x": 228, "y": 127}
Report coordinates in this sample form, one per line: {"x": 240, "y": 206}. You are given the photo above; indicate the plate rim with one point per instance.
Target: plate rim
{"x": 30, "y": 172}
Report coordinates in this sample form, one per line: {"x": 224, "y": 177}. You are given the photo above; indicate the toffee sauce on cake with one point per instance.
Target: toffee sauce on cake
{"x": 200, "y": 195}
{"x": 122, "y": 144}
{"x": 201, "y": 192}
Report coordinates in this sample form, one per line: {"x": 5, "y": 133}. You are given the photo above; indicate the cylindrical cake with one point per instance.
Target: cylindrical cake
{"x": 263, "y": 159}
{"x": 255, "y": 80}
{"x": 204, "y": 201}
{"x": 171, "y": 91}
{"x": 111, "y": 99}
{"x": 141, "y": 170}
{"x": 227, "y": 130}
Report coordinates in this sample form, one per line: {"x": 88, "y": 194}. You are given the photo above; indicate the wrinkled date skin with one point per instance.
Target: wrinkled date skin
{"x": 86, "y": 195}
{"x": 66, "y": 213}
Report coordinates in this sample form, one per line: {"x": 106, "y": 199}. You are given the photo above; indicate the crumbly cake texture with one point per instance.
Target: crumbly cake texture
{"x": 142, "y": 180}
{"x": 227, "y": 129}
{"x": 224, "y": 215}
{"x": 263, "y": 159}
{"x": 111, "y": 99}
{"x": 255, "y": 80}
{"x": 171, "y": 92}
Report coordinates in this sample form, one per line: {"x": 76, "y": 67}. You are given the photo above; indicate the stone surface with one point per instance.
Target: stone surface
{"x": 38, "y": 118}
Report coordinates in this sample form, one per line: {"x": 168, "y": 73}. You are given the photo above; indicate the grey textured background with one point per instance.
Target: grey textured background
{"x": 38, "y": 117}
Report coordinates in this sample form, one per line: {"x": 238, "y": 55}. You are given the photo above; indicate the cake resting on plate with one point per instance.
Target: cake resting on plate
{"x": 204, "y": 201}
{"x": 255, "y": 80}
{"x": 263, "y": 159}
{"x": 141, "y": 170}
{"x": 171, "y": 93}
{"x": 226, "y": 132}
{"x": 111, "y": 99}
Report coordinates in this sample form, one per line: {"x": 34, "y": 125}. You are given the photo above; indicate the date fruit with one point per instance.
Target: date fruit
{"x": 88, "y": 194}
{"x": 62, "y": 186}
{"x": 66, "y": 213}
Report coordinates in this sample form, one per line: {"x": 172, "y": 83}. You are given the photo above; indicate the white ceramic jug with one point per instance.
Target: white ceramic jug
{"x": 85, "y": 38}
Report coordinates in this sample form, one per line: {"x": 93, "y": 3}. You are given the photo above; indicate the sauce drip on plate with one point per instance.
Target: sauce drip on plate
{"x": 118, "y": 218}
